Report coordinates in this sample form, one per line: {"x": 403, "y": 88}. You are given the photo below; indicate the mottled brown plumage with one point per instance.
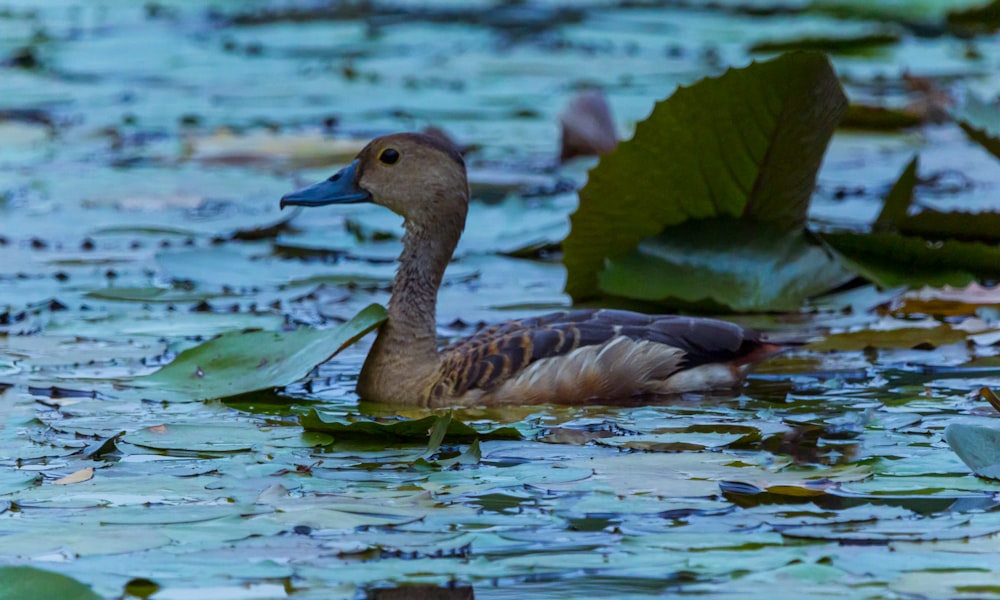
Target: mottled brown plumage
{"x": 571, "y": 357}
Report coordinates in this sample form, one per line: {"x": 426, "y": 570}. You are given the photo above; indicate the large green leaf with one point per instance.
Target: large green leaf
{"x": 18, "y": 583}
{"x": 240, "y": 362}
{"x": 726, "y": 263}
{"x": 892, "y": 259}
{"x": 745, "y": 145}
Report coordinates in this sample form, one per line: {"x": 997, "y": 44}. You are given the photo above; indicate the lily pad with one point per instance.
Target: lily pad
{"x": 17, "y": 583}
{"x": 859, "y": 44}
{"x": 893, "y": 259}
{"x": 200, "y": 437}
{"x": 929, "y": 223}
{"x": 752, "y": 267}
{"x": 899, "y": 199}
{"x": 746, "y": 145}
{"x": 981, "y": 121}
{"x": 977, "y": 446}
{"x": 241, "y": 362}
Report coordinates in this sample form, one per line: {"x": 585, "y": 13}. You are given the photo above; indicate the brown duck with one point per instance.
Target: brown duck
{"x": 570, "y": 357}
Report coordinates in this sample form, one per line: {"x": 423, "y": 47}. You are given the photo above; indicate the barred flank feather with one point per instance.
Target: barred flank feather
{"x": 570, "y": 356}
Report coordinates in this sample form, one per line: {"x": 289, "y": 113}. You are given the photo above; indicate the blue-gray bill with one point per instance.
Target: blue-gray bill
{"x": 341, "y": 188}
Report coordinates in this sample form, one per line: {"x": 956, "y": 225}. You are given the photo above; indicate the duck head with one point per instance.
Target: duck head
{"x": 418, "y": 177}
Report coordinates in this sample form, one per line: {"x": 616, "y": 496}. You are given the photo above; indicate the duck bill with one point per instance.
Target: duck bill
{"x": 339, "y": 189}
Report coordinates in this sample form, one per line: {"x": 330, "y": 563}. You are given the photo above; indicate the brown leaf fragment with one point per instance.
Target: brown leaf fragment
{"x": 587, "y": 126}
{"x": 990, "y": 396}
{"x": 78, "y": 477}
{"x": 932, "y": 103}
{"x": 947, "y": 301}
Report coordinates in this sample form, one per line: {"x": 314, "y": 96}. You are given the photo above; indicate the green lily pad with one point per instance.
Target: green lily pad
{"x": 879, "y": 118}
{"x": 746, "y": 145}
{"x": 17, "y": 583}
{"x": 900, "y": 197}
{"x": 199, "y": 437}
{"x": 929, "y": 223}
{"x": 858, "y": 44}
{"x": 977, "y": 446}
{"x": 893, "y": 259}
{"x": 978, "y": 17}
{"x": 752, "y": 267}
{"x": 981, "y": 121}
{"x": 241, "y": 362}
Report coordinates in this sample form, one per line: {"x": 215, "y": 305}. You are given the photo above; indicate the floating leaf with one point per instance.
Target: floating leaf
{"x": 858, "y": 44}
{"x": 957, "y": 225}
{"x": 407, "y": 430}
{"x": 879, "y": 118}
{"x": 990, "y": 396}
{"x": 934, "y": 224}
{"x": 241, "y": 362}
{"x": 977, "y": 446}
{"x": 897, "y": 202}
{"x": 18, "y": 583}
{"x": 981, "y": 121}
{"x": 946, "y": 301}
{"x": 906, "y": 337}
{"x": 78, "y": 477}
{"x": 979, "y": 17}
{"x": 751, "y": 267}
{"x": 266, "y": 149}
{"x": 745, "y": 145}
{"x": 199, "y": 437}
{"x": 892, "y": 259}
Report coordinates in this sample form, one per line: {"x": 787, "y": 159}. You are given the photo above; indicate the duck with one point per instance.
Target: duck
{"x": 579, "y": 356}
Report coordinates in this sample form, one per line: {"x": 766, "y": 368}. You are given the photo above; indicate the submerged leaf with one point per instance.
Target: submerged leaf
{"x": 735, "y": 265}
{"x": 418, "y": 430}
{"x": 17, "y": 583}
{"x": 241, "y": 362}
{"x": 744, "y": 145}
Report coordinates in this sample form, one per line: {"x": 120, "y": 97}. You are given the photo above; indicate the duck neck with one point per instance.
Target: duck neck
{"x": 405, "y": 354}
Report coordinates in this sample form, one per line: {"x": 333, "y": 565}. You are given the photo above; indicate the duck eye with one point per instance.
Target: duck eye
{"x": 388, "y": 156}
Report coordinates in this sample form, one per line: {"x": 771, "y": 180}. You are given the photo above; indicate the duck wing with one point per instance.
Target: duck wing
{"x": 494, "y": 354}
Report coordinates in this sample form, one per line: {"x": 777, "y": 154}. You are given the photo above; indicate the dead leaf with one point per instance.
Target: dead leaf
{"x": 587, "y": 126}
{"x": 946, "y": 302}
{"x": 990, "y": 396}
{"x": 78, "y": 477}
{"x": 264, "y": 149}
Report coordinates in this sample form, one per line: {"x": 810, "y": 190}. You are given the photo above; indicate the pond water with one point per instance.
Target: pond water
{"x": 143, "y": 149}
